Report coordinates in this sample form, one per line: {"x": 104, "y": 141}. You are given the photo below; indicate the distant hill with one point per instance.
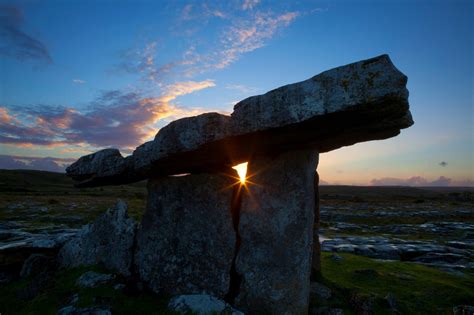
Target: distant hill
{"x": 50, "y": 183}
{"x": 43, "y": 182}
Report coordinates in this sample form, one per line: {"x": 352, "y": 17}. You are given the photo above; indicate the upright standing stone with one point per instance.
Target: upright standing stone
{"x": 316, "y": 261}
{"x": 276, "y": 230}
{"x": 186, "y": 241}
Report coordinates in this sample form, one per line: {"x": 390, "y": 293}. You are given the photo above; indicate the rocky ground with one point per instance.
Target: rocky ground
{"x": 402, "y": 232}
{"x": 438, "y": 231}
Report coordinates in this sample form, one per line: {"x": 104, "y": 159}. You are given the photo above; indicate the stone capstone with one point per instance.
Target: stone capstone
{"x": 362, "y": 101}
{"x": 185, "y": 243}
{"x": 108, "y": 241}
{"x": 276, "y": 231}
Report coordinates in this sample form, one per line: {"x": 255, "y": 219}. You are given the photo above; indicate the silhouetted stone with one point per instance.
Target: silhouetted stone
{"x": 108, "y": 241}
{"x": 363, "y": 101}
{"x": 276, "y": 230}
{"x": 185, "y": 243}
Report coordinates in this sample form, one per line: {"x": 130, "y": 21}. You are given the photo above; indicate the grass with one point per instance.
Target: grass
{"x": 418, "y": 289}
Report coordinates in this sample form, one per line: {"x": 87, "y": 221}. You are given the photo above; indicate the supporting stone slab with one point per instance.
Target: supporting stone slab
{"x": 185, "y": 243}
{"x": 276, "y": 230}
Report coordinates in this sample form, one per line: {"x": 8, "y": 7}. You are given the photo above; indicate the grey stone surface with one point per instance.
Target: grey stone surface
{"x": 91, "y": 279}
{"x": 108, "y": 241}
{"x": 36, "y": 264}
{"x": 71, "y": 310}
{"x": 201, "y": 304}
{"x": 185, "y": 243}
{"x": 347, "y": 87}
{"x": 320, "y": 291}
{"x": 362, "y": 101}
{"x": 104, "y": 163}
{"x": 276, "y": 223}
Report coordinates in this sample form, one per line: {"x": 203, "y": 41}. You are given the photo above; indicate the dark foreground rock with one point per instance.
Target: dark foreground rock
{"x": 277, "y": 213}
{"x": 108, "y": 242}
{"x": 201, "y": 304}
{"x": 363, "y": 101}
{"x": 185, "y": 243}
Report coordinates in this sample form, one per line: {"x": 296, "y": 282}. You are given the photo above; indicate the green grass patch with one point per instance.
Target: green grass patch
{"x": 418, "y": 289}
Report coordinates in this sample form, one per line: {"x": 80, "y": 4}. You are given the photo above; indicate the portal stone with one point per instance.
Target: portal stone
{"x": 276, "y": 230}
{"x": 186, "y": 241}
{"x": 316, "y": 261}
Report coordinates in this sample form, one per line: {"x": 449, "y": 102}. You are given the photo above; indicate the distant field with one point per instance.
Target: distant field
{"x": 41, "y": 182}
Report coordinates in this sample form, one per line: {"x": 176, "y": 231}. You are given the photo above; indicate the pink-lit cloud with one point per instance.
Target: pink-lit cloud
{"x": 122, "y": 120}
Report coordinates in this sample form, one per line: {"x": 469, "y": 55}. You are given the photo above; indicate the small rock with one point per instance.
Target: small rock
{"x": 325, "y": 310}
{"x": 119, "y": 286}
{"x": 320, "y": 291}
{"x": 92, "y": 279}
{"x": 463, "y": 310}
{"x": 71, "y": 310}
{"x": 74, "y": 299}
{"x": 337, "y": 258}
{"x": 201, "y": 304}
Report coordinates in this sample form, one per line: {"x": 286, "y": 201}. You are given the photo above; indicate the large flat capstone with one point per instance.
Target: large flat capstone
{"x": 362, "y": 101}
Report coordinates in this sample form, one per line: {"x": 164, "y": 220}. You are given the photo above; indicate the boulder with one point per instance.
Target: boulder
{"x": 276, "y": 232}
{"x": 201, "y": 304}
{"x": 91, "y": 279}
{"x": 108, "y": 241}
{"x": 186, "y": 240}
{"x": 36, "y": 264}
{"x": 362, "y": 101}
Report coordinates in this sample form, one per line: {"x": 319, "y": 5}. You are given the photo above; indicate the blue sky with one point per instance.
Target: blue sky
{"x": 78, "y": 76}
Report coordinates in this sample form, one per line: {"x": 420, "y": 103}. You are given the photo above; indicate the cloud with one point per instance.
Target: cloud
{"x": 239, "y": 34}
{"x": 419, "y": 181}
{"x": 78, "y": 81}
{"x": 122, "y": 120}
{"x": 443, "y": 163}
{"x": 249, "y": 4}
{"x": 34, "y": 163}
{"x": 241, "y": 88}
{"x": 15, "y": 43}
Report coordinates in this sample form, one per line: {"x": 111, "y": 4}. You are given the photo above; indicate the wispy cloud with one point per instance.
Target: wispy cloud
{"x": 244, "y": 89}
{"x": 78, "y": 81}
{"x": 15, "y": 43}
{"x": 238, "y": 34}
{"x": 123, "y": 120}
{"x": 250, "y": 4}
{"x": 419, "y": 181}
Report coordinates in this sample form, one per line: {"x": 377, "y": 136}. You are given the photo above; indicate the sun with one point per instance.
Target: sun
{"x": 242, "y": 171}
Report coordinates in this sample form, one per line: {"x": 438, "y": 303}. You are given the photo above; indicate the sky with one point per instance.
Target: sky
{"x": 80, "y": 76}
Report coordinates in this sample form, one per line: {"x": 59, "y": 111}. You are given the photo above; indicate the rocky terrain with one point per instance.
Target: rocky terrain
{"x": 383, "y": 223}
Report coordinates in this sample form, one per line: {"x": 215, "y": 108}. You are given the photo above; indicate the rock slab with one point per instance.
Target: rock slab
{"x": 108, "y": 241}
{"x": 186, "y": 240}
{"x": 276, "y": 230}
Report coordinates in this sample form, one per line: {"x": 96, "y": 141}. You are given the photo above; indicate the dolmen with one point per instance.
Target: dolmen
{"x": 253, "y": 244}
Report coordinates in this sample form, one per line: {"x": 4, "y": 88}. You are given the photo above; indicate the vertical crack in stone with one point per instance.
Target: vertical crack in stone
{"x": 235, "y": 278}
